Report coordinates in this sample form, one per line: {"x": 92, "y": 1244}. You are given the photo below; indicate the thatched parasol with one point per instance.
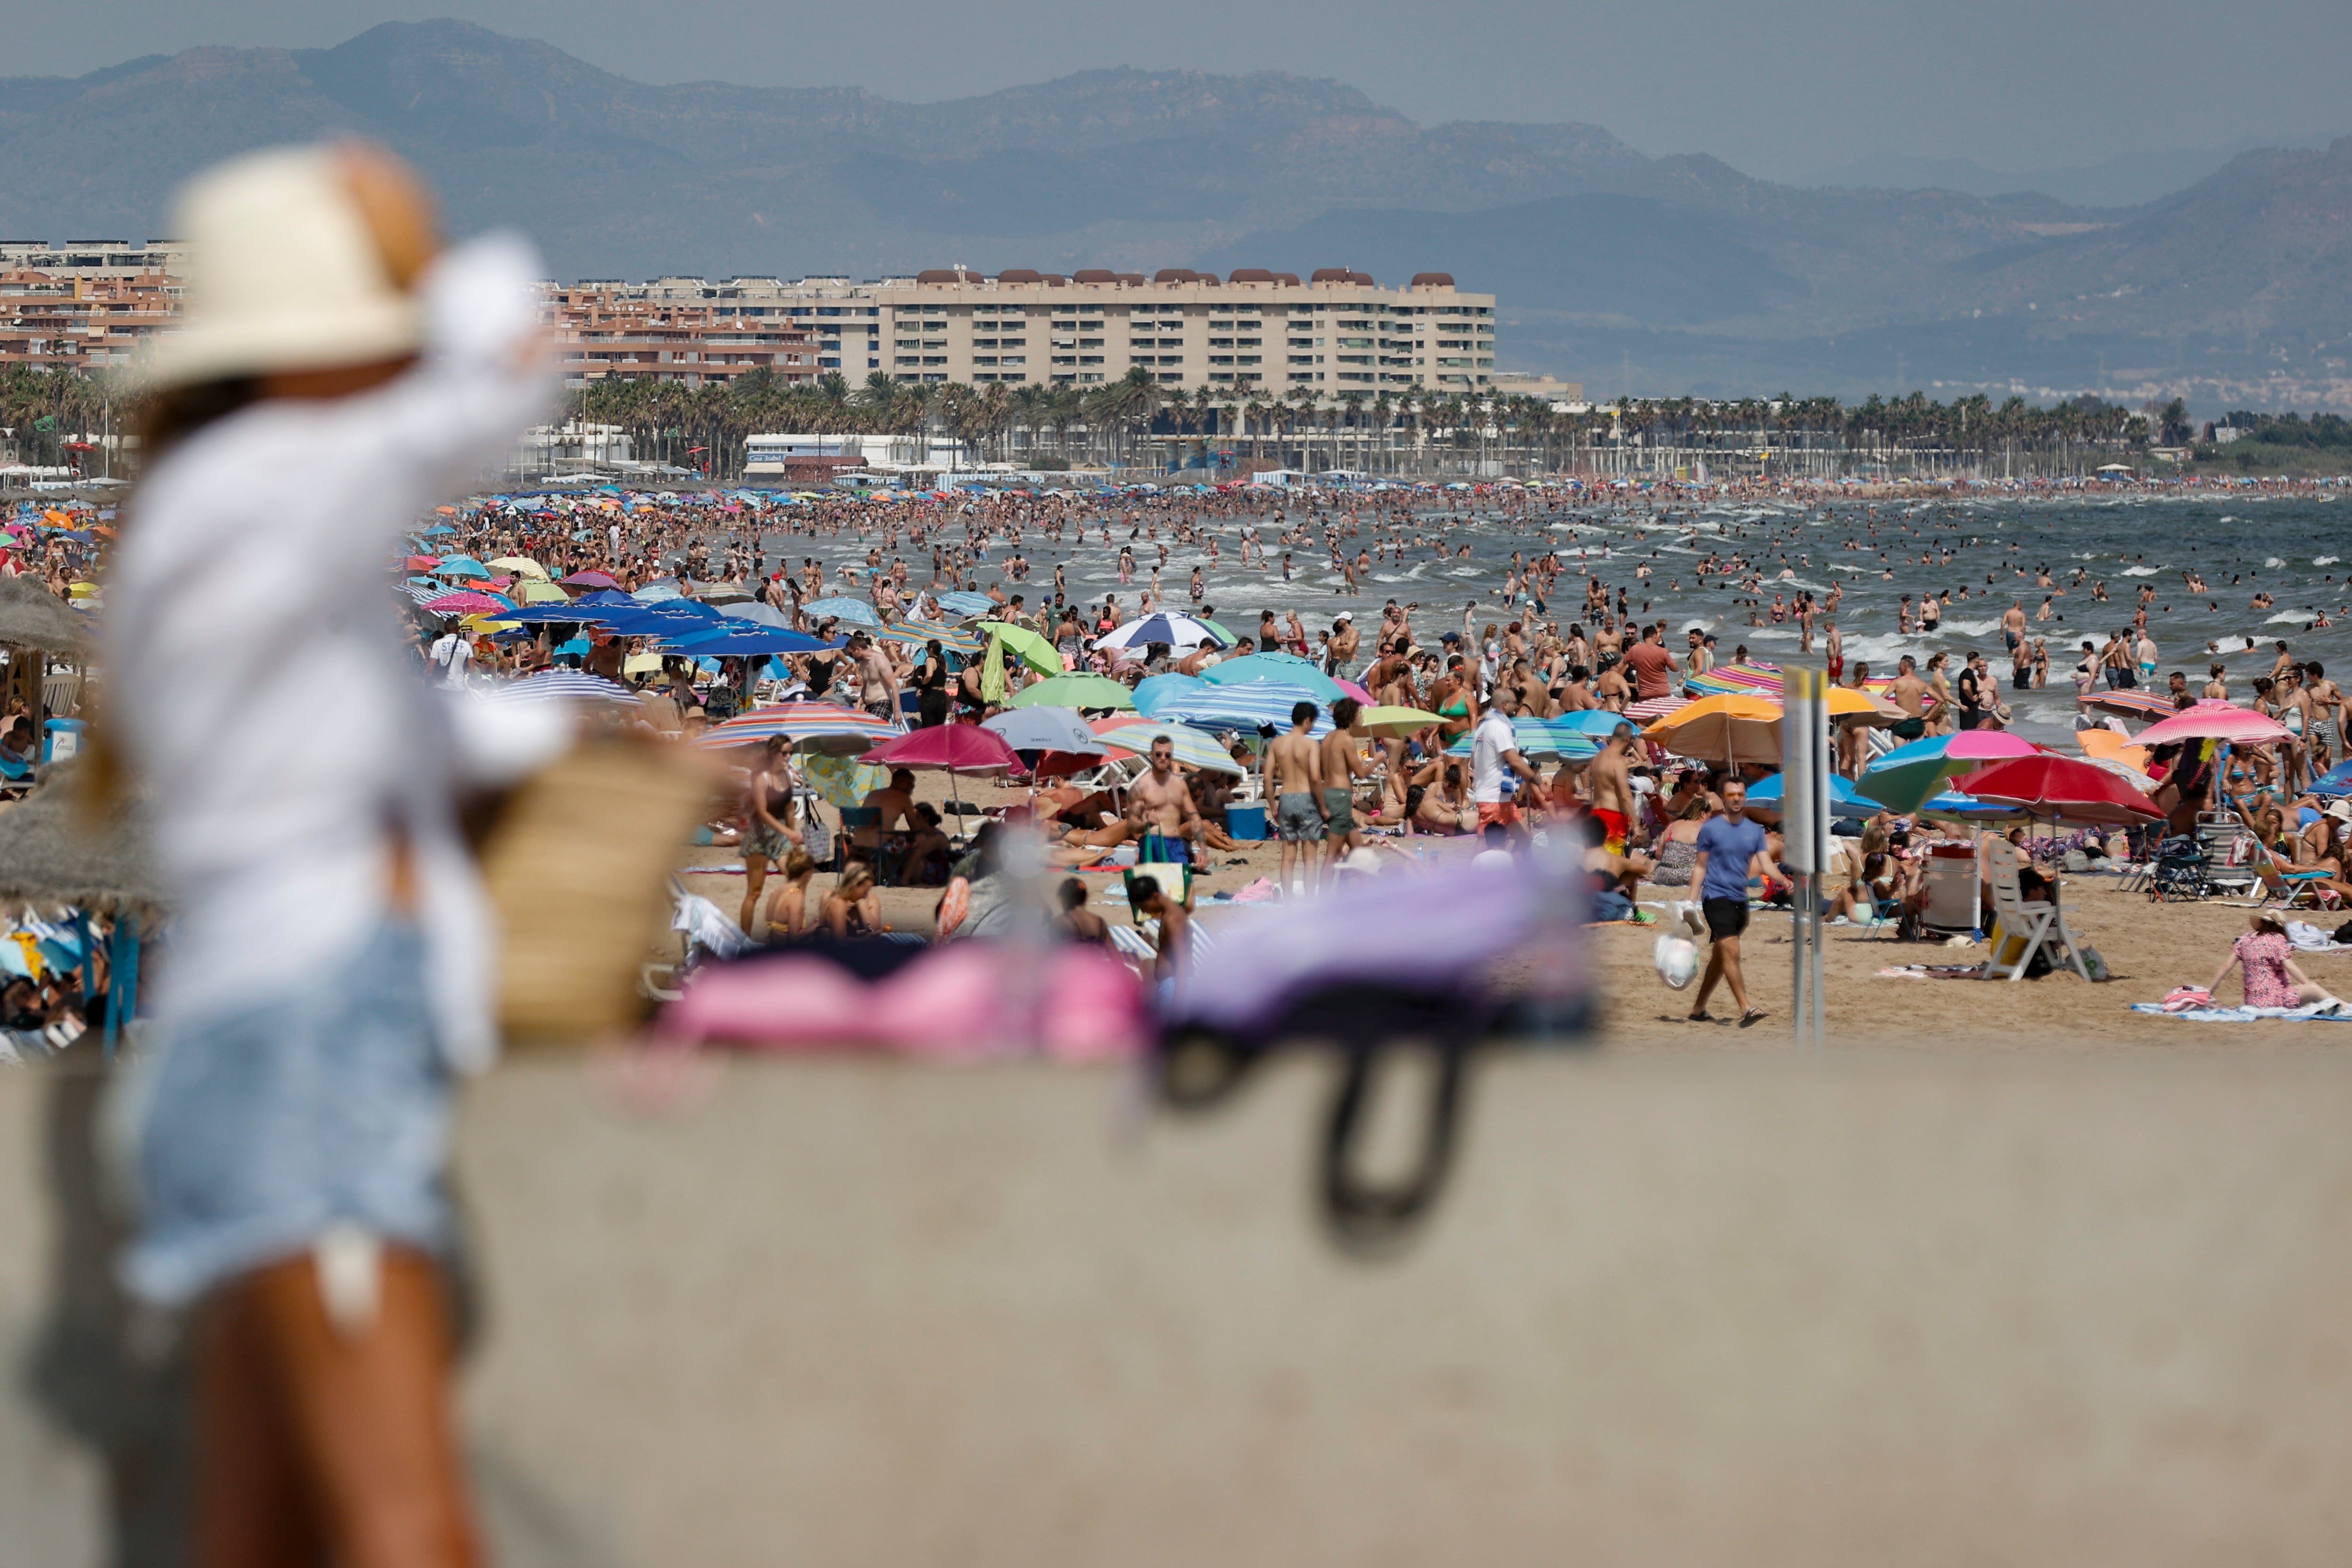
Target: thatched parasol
{"x": 33, "y": 616}
{"x": 51, "y": 854}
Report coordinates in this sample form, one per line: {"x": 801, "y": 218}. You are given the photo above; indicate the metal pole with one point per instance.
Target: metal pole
{"x": 1804, "y": 838}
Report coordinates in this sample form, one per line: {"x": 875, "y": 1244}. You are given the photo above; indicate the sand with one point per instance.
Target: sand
{"x": 2150, "y": 950}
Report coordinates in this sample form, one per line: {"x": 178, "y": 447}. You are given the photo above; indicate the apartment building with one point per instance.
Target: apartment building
{"x": 672, "y": 329}
{"x": 81, "y": 318}
{"x": 1337, "y": 332}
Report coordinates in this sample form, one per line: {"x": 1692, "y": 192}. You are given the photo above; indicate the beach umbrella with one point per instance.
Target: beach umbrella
{"x": 2132, "y": 704}
{"x": 952, "y": 747}
{"x": 2213, "y": 720}
{"x": 1077, "y": 690}
{"x": 2106, "y": 744}
{"x": 1755, "y": 680}
{"x": 1844, "y": 800}
{"x": 467, "y": 604}
{"x": 1845, "y": 701}
{"x": 1728, "y": 727}
{"x": 952, "y": 638}
{"x": 843, "y": 780}
{"x": 1909, "y": 774}
{"x": 566, "y": 686}
{"x": 2061, "y": 789}
{"x": 1392, "y": 723}
{"x": 2336, "y": 782}
{"x": 1281, "y": 669}
{"x": 733, "y": 641}
{"x": 809, "y": 726}
{"x": 1045, "y": 730}
{"x": 1249, "y": 706}
{"x": 1025, "y": 645}
{"x": 1194, "y": 747}
{"x": 1176, "y": 631}
{"x": 1535, "y": 738}
{"x": 1598, "y": 723}
{"x": 1154, "y": 692}
{"x": 840, "y": 607}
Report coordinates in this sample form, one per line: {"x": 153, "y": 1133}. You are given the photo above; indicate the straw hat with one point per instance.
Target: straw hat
{"x": 284, "y": 274}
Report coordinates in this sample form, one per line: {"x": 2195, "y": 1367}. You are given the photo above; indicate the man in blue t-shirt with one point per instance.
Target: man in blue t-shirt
{"x": 1730, "y": 849}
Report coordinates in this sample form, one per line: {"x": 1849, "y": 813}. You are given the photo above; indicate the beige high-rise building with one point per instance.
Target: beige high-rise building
{"x": 1335, "y": 332}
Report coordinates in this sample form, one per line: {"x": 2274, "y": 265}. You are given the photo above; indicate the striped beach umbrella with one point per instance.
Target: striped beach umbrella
{"x": 1194, "y": 747}
{"x": 1538, "y": 737}
{"x": 1246, "y": 706}
{"x": 809, "y": 726}
{"x": 952, "y": 638}
{"x": 566, "y": 686}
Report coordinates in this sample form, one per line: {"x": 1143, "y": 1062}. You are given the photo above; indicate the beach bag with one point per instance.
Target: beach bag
{"x": 578, "y": 865}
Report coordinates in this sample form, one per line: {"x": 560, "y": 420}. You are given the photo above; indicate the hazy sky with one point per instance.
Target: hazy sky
{"x": 1777, "y": 89}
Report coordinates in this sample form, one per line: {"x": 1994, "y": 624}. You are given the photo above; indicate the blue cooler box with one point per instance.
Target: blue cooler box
{"x": 1245, "y": 821}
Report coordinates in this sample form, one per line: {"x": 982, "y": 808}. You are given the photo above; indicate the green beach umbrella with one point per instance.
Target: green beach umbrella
{"x": 1077, "y": 691}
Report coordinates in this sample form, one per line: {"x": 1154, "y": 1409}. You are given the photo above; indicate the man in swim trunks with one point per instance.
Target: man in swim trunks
{"x": 1909, "y": 693}
{"x": 1343, "y": 764}
{"x": 1161, "y": 810}
{"x": 1294, "y": 783}
{"x": 1612, "y": 789}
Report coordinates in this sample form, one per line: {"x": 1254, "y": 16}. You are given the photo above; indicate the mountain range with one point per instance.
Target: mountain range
{"x": 1635, "y": 274}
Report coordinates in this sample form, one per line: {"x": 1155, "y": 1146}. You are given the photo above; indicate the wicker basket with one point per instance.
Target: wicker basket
{"x": 579, "y": 867}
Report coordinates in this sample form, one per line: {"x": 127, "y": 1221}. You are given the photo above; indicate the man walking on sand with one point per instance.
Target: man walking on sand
{"x": 1730, "y": 850}
{"x": 1294, "y": 781}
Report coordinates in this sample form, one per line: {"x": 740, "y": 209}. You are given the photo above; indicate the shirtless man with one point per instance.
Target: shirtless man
{"x": 1612, "y": 789}
{"x": 877, "y": 680}
{"x": 1909, "y": 693}
{"x": 1341, "y": 654}
{"x": 2326, "y": 703}
{"x": 1343, "y": 764}
{"x": 1161, "y": 809}
{"x": 1294, "y": 783}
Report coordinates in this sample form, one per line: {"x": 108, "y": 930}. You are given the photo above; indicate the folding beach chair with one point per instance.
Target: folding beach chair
{"x": 2288, "y": 888}
{"x": 2037, "y": 926}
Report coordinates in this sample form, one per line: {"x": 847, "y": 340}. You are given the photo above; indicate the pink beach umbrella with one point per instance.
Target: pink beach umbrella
{"x": 2213, "y": 720}
{"x": 955, "y": 747}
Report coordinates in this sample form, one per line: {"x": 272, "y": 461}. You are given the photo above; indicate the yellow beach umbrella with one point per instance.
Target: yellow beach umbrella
{"x": 1731, "y": 728}
{"x": 1392, "y": 723}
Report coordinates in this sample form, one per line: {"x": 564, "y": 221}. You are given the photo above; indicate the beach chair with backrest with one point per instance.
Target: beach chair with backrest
{"x": 2288, "y": 888}
{"x": 2036, "y": 924}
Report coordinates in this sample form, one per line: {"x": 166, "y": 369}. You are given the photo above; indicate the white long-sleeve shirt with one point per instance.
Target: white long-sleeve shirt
{"x": 257, "y": 678}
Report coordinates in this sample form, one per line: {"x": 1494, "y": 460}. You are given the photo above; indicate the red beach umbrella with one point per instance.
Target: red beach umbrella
{"x": 2061, "y": 788}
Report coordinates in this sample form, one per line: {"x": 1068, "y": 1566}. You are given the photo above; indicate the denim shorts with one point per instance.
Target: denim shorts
{"x": 264, "y": 1128}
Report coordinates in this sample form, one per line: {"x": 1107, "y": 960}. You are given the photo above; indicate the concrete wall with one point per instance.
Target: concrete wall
{"x": 1718, "y": 1308}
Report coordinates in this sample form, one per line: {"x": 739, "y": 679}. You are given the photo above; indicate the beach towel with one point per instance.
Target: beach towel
{"x": 2313, "y": 1013}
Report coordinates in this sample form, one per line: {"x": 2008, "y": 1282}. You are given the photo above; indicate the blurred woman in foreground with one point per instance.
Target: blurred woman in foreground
{"x": 332, "y": 958}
